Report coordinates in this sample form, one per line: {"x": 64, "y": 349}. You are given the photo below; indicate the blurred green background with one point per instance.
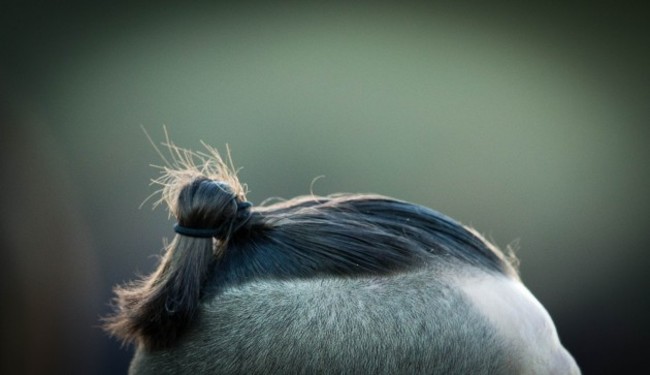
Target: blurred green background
{"x": 525, "y": 122}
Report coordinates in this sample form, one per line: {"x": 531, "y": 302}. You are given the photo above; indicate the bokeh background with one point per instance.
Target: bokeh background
{"x": 527, "y": 122}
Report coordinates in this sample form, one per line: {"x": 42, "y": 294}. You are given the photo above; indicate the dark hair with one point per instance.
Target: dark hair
{"x": 306, "y": 237}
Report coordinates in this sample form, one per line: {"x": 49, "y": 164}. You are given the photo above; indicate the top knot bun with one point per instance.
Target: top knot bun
{"x": 208, "y": 204}
{"x": 203, "y": 193}
{"x": 205, "y": 196}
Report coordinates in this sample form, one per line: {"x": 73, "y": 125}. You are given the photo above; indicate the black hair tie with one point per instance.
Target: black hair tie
{"x": 242, "y": 207}
{"x": 196, "y": 232}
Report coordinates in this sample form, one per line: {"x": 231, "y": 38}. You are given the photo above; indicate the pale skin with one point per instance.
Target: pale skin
{"x": 520, "y": 318}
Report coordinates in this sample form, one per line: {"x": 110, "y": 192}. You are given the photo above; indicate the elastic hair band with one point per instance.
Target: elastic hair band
{"x": 242, "y": 207}
{"x": 196, "y": 232}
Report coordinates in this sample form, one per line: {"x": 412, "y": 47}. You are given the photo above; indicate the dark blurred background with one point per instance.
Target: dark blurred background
{"x": 527, "y": 122}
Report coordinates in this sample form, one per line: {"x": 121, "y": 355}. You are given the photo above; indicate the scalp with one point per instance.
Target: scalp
{"x": 414, "y": 322}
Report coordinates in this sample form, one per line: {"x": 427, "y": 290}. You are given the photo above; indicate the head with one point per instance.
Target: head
{"x": 339, "y": 284}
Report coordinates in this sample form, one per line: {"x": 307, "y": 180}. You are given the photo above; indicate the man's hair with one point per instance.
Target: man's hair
{"x": 343, "y": 283}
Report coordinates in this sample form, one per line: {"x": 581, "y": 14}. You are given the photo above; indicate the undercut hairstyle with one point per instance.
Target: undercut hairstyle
{"x": 347, "y": 283}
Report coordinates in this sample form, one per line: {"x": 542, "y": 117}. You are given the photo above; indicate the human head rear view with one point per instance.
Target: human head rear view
{"x": 339, "y": 284}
